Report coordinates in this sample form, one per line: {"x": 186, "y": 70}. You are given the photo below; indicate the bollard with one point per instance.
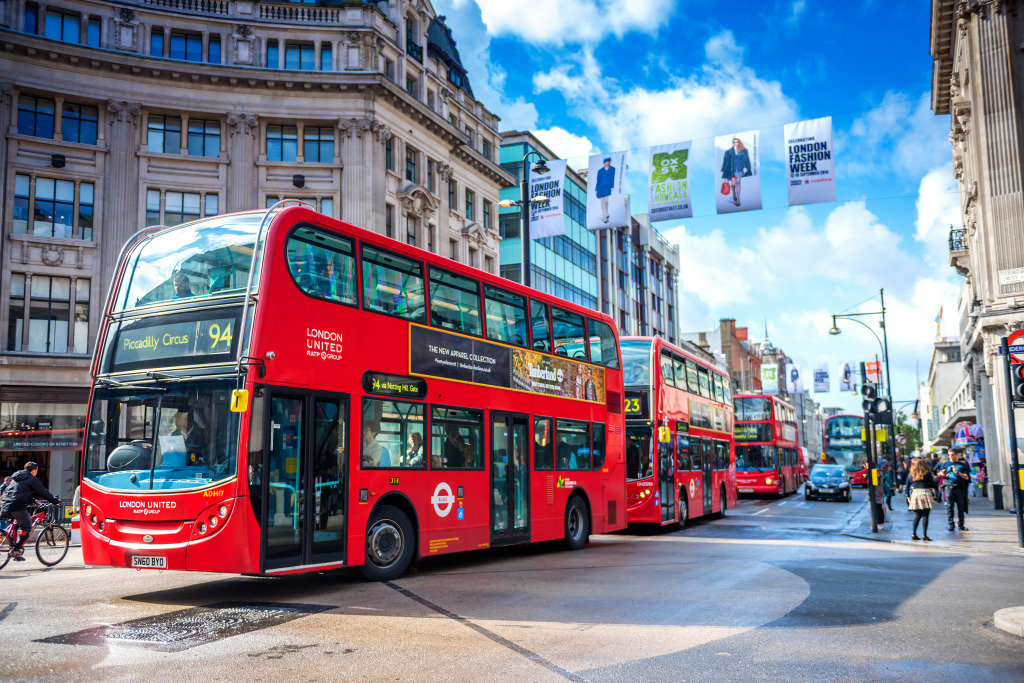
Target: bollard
{"x": 997, "y": 494}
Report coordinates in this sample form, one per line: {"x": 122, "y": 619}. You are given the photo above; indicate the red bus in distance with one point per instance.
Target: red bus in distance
{"x": 679, "y": 434}
{"x": 844, "y": 446}
{"x": 768, "y": 459}
{"x": 278, "y": 392}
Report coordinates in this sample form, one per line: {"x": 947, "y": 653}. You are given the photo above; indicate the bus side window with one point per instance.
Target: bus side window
{"x": 543, "y": 444}
{"x": 692, "y": 376}
{"x": 322, "y": 264}
{"x": 568, "y": 334}
{"x": 666, "y": 368}
{"x": 393, "y": 285}
{"x": 572, "y": 445}
{"x": 602, "y": 344}
{"x": 682, "y": 448}
{"x": 454, "y": 302}
{"x": 505, "y": 314}
{"x": 456, "y": 438}
{"x": 540, "y": 327}
{"x": 704, "y": 382}
{"x": 680, "y": 369}
{"x": 695, "y": 449}
{"x": 597, "y": 431}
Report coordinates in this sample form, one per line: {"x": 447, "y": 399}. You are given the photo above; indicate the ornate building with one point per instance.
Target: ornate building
{"x": 976, "y": 77}
{"x": 156, "y": 112}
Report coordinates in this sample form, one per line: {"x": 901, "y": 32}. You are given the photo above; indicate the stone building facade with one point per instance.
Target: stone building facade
{"x": 977, "y": 72}
{"x": 120, "y": 115}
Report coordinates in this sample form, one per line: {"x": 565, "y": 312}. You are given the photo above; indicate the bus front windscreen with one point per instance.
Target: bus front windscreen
{"x": 639, "y": 460}
{"x": 636, "y": 363}
{"x": 162, "y": 438}
{"x": 843, "y": 444}
{"x": 755, "y": 458}
{"x": 206, "y": 258}
{"x": 752, "y": 409}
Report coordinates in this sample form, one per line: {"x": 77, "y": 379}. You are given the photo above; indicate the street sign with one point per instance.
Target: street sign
{"x": 1016, "y": 343}
{"x": 901, "y": 439}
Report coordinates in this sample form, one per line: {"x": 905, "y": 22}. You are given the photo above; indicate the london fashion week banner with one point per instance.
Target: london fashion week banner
{"x": 821, "y": 380}
{"x": 738, "y": 172}
{"x": 606, "y": 202}
{"x": 669, "y": 193}
{"x": 810, "y": 166}
{"x": 547, "y": 219}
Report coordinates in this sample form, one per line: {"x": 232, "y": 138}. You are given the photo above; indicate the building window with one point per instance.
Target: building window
{"x": 469, "y": 136}
{"x": 282, "y": 143}
{"x": 430, "y": 238}
{"x": 470, "y": 200}
{"x": 181, "y": 207}
{"x": 508, "y": 225}
{"x": 318, "y": 144}
{"x": 50, "y": 314}
{"x": 389, "y": 155}
{"x": 451, "y": 196}
{"x": 273, "y": 60}
{"x": 300, "y": 57}
{"x": 63, "y": 27}
{"x": 187, "y": 46}
{"x": 327, "y": 207}
{"x": 203, "y": 138}
{"x": 410, "y": 230}
{"x": 487, "y": 215}
{"x": 472, "y": 258}
{"x": 164, "y": 134}
{"x": 389, "y": 69}
{"x": 487, "y": 149}
{"x": 52, "y": 212}
{"x": 389, "y": 220}
{"x": 430, "y": 100}
{"x": 489, "y": 264}
{"x": 212, "y": 207}
{"x": 31, "y": 19}
{"x": 79, "y": 123}
{"x": 92, "y": 34}
{"x": 453, "y": 250}
{"x": 326, "y": 57}
{"x": 35, "y": 117}
{"x": 213, "y": 51}
{"x": 431, "y": 184}
{"x": 156, "y": 42}
{"x": 410, "y": 165}
{"x": 410, "y": 86}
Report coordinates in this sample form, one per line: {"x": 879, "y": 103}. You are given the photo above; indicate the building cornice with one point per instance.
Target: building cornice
{"x": 941, "y": 42}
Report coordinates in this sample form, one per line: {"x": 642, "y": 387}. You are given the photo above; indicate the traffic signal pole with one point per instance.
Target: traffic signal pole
{"x": 1016, "y": 481}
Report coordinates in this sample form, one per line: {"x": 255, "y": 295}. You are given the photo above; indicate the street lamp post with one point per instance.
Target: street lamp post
{"x": 524, "y": 210}
{"x": 883, "y": 344}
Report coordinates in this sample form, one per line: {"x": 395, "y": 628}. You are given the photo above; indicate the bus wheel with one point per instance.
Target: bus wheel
{"x": 576, "y": 524}
{"x": 684, "y": 509}
{"x": 723, "y": 503}
{"x": 389, "y": 544}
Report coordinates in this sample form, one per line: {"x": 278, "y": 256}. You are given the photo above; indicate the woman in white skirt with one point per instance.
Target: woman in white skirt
{"x": 922, "y": 485}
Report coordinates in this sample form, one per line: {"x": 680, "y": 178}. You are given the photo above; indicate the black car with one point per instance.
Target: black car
{"x": 827, "y": 481}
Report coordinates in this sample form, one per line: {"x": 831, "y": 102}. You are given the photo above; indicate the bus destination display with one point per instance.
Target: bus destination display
{"x": 636, "y": 405}
{"x": 753, "y": 431}
{"x": 175, "y": 343}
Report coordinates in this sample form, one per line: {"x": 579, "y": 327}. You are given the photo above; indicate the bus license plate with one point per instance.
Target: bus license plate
{"x": 746, "y": 490}
{"x": 149, "y": 562}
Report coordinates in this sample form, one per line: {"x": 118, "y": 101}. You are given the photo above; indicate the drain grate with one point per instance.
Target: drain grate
{"x": 187, "y": 628}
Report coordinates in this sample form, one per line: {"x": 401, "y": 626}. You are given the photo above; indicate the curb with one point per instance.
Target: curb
{"x": 1011, "y": 620}
{"x": 933, "y": 544}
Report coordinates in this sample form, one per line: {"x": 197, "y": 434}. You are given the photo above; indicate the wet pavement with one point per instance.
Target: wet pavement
{"x": 776, "y": 590}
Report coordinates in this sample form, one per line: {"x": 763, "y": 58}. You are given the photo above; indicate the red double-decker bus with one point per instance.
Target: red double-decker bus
{"x": 679, "y": 418}
{"x": 768, "y": 459}
{"x": 844, "y": 445}
{"x": 279, "y": 392}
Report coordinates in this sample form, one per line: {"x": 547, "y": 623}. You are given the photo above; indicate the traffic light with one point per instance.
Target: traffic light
{"x": 870, "y": 394}
{"x": 881, "y": 411}
{"x": 1017, "y": 377}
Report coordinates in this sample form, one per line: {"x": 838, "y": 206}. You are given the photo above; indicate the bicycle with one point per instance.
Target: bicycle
{"x": 51, "y": 543}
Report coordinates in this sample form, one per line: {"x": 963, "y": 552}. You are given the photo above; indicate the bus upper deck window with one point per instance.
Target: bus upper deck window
{"x": 540, "y": 326}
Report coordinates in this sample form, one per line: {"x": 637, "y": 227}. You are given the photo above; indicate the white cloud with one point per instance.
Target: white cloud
{"x": 900, "y": 135}
{"x": 795, "y": 10}
{"x": 722, "y": 96}
{"x": 938, "y": 208}
{"x": 555, "y": 22}
{"x": 565, "y": 144}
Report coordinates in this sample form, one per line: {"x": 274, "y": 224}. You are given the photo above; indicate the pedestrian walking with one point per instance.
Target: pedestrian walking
{"x": 889, "y": 481}
{"x": 958, "y": 477}
{"x": 921, "y": 487}
{"x": 3, "y": 486}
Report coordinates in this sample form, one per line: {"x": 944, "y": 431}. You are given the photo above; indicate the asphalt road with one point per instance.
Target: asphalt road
{"x": 773, "y": 591}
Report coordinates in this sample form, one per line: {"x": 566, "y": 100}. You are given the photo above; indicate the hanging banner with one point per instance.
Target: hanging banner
{"x": 738, "y": 186}
{"x": 769, "y": 378}
{"x": 546, "y": 219}
{"x": 821, "y": 383}
{"x": 669, "y": 195}
{"x": 796, "y": 379}
{"x": 847, "y": 376}
{"x": 874, "y": 370}
{"x": 606, "y": 202}
{"x": 810, "y": 166}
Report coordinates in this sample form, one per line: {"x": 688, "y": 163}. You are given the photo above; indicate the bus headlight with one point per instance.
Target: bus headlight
{"x": 768, "y": 480}
{"x": 201, "y": 528}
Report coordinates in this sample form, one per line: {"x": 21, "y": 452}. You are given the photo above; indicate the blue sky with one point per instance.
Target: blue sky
{"x": 605, "y": 75}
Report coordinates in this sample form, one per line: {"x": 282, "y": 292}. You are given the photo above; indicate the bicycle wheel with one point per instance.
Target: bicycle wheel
{"x": 5, "y": 549}
{"x": 52, "y": 544}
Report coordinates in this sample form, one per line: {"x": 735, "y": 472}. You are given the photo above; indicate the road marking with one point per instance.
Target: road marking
{"x": 760, "y": 512}
{"x": 7, "y": 610}
{"x": 519, "y": 649}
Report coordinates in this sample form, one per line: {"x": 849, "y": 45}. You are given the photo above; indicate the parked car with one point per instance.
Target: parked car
{"x": 827, "y": 481}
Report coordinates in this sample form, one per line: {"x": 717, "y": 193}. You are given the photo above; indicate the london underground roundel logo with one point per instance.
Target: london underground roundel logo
{"x": 442, "y": 499}
{"x": 693, "y": 488}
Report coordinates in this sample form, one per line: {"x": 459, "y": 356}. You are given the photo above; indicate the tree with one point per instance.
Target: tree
{"x": 913, "y": 434}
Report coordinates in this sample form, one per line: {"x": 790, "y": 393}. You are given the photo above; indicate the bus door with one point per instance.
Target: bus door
{"x": 667, "y": 479}
{"x": 304, "y": 467}
{"x": 705, "y": 471}
{"x": 510, "y": 448}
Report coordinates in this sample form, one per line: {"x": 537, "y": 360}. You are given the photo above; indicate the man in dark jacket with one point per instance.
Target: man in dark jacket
{"x": 958, "y": 478}
{"x": 22, "y": 492}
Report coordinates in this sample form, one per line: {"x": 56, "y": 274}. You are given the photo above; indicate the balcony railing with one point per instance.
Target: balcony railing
{"x": 956, "y": 239}
{"x": 415, "y": 51}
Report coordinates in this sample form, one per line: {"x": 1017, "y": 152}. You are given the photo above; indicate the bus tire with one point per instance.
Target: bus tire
{"x": 390, "y": 542}
{"x": 684, "y": 508}
{"x": 577, "y": 526}
{"x": 723, "y": 503}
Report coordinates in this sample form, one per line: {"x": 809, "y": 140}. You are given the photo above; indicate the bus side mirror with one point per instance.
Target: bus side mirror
{"x": 239, "y": 400}
{"x": 664, "y": 435}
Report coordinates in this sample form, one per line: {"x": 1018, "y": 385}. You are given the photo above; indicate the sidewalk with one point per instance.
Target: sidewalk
{"x": 991, "y": 531}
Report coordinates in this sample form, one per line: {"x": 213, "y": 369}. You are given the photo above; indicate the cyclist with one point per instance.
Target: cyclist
{"x": 19, "y": 495}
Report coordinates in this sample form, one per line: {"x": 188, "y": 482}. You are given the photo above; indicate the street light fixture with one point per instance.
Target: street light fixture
{"x": 540, "y": 168}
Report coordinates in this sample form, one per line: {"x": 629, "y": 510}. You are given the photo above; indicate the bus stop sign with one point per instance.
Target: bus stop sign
{"x": 1016, "y": 344}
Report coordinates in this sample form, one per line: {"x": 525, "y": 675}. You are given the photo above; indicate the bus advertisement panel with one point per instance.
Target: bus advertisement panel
{"x": 768, "y": 459}
{"x": 279, "y": 392}
{"x": 679, "y": 421}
